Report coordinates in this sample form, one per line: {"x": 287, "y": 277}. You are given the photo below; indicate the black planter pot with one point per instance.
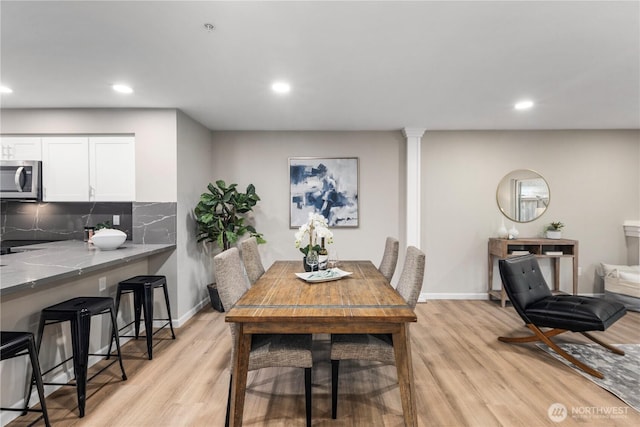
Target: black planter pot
{"x": 215, "y": 297}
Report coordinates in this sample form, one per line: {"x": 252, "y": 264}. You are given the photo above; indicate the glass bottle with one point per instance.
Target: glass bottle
{"x": 323, "y": 256}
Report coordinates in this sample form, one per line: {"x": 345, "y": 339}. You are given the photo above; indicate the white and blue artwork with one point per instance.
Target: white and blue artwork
{"x": 328, "y": 186}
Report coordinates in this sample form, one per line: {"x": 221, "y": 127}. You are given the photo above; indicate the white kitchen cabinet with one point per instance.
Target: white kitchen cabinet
{"x": 80, "y": 168}
{"x": 21, "y": 148}
{"x": 65, "y": 169}
{"x": 112, "y": 168}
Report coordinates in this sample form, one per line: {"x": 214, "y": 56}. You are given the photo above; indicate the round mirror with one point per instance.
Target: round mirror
{"x": 523, "y": 195}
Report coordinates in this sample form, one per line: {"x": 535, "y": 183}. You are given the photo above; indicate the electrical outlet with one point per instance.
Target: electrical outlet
{"x": 102, "y": 283}
{"x": 579, "y": 271}
{"x": 116, "y": 220}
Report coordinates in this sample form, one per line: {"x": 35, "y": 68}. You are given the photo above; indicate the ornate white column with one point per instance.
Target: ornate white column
{"x": 414, "y": 139}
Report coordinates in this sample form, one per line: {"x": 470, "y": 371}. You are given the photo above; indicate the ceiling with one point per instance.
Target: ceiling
{"x": 352, "y": 65}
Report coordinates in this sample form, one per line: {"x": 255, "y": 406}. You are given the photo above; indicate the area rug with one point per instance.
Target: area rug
{"x": 621, "y": 373}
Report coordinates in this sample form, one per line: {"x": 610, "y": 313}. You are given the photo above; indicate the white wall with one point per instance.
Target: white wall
{"x": 155, "y": 132}
{"x": 195, "y": 171}
{"x": 261, "y": 158}
{"x": 594, "y": 177}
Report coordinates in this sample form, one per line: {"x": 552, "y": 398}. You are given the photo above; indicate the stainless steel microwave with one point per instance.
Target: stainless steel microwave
{"x": 21, "y": 179}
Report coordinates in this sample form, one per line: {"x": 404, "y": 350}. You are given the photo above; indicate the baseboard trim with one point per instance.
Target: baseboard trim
{"x": 189, "y": 314}
{"x": 424, "y": 296}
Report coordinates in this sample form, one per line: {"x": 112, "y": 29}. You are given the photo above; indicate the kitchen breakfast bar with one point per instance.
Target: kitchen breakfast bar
{"x": 48, "y": 264}
{"x": 38, "y": 276}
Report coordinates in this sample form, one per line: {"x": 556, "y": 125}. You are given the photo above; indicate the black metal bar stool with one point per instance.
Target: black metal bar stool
{"x": 79, "y": 311}
{"x": 15, "y": 344}
{"x": 142, "y": 288}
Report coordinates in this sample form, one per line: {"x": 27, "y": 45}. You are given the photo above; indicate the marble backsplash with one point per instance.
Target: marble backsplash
{"x": 143, "y": 222}
{"x": 154, "y": 222}
{"x": 59, "y": 220}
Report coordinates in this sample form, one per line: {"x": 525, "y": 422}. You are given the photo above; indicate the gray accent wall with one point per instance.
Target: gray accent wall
{"x": 195, "y": 171}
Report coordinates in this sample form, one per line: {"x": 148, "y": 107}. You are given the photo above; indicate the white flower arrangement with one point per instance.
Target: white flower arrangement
{"x": 316, "y": 227}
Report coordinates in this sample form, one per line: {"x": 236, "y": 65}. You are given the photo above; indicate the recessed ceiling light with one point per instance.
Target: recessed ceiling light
{"x": 5, "y": 89}
{"x": 523, "y": 105}
{"x": 122, "y": 88}
{"x": 281, "y": 87}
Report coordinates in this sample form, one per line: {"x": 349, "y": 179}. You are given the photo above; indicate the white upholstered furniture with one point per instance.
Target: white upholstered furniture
{"x": 622, "y": 283}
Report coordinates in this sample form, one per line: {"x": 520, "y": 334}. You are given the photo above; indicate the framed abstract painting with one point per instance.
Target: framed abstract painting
{"x": 324, "y": 185}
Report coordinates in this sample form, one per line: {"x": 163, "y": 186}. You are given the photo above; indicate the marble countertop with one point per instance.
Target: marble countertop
{"x": 50, "y": 262}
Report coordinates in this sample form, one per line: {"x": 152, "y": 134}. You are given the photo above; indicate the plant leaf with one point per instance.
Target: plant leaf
{"x": 219, "y": 214}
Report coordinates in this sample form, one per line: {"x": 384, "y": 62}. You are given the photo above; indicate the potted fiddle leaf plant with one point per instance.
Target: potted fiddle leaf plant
{"x": 220, "y": 216}
{"x": 554, "y": 230}
{"x": 221, "y": 213}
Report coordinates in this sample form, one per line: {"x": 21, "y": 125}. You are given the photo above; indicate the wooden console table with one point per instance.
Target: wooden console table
{"x": 541, "y": 248}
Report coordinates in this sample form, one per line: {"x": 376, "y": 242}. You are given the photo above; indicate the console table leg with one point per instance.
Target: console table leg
{"x": 556, "y": 274}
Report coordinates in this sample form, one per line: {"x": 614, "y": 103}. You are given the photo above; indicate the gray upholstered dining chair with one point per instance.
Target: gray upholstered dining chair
{"x": 378, "y": 347}
{"x": 389, "y": 258}
{"x": 251, "y": 259}
{"x": 267, "y": 350}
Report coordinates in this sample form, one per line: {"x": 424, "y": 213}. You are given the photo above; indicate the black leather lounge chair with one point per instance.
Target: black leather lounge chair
{"x": 532, "y": 299}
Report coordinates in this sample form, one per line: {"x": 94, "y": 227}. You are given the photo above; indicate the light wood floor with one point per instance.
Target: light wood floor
{"x": 463, "y": 376}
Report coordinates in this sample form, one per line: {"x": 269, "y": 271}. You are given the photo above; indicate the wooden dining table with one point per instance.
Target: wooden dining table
{"x": 363, "y": 302}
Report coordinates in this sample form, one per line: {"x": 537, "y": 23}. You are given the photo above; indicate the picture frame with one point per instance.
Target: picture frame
{"x": 324, "y": 185}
